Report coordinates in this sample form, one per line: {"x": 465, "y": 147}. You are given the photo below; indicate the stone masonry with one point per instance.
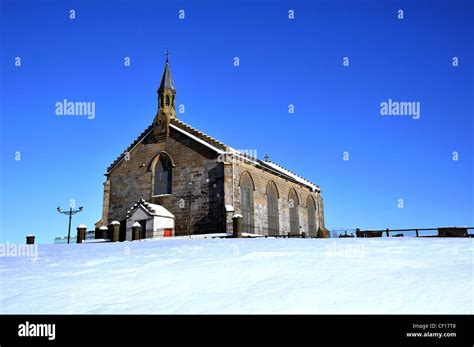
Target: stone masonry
{"x": 204, "y": 171}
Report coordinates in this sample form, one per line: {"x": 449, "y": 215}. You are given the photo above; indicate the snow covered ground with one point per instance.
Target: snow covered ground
{"x": 402, "y": 275}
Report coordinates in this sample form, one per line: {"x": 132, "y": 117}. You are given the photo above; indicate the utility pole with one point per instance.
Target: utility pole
{"x": 70, "y": 213}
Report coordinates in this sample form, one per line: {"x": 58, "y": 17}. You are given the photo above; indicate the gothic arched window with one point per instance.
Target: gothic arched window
{"x": 167, "y": 100}
{"x": 163, "y": 176}
{"x": 294, "y": 216}
{"x": 272, "y": 206}
{"x": 311, "y": 218}
{"x": 246, "y": 201}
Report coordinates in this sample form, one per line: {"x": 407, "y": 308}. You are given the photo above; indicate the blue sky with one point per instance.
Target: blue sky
{"x": 282, "y": 62}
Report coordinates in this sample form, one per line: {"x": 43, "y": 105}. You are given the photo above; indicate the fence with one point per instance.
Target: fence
{"x": 413, "y": 232}
{"x": 261, "y": 231}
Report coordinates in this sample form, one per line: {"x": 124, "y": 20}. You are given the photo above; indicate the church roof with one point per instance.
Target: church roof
{"x": 219, "y": 148}
{"x": 288, "y": 173}
{"x": 179, "y": 125}
{"x": 167, "y": 79}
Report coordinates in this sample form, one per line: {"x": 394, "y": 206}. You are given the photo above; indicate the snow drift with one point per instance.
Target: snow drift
{"x": 403, "y": 275}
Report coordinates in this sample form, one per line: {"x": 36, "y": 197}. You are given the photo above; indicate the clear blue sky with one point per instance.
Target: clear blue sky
{"x": 282, "y": 62}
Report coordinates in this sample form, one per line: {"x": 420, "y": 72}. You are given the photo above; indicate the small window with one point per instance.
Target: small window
{"x": 167, "y": 100}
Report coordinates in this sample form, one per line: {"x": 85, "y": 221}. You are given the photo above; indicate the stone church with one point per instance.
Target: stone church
{"x": 176, "y": 180}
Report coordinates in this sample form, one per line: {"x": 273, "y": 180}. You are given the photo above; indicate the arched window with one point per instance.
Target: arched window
{"x": 246, "y": 202}
{"x": 163, "y": 176}
{"x": 294, "y": 216}
{"x": 272, "y": 206}
{"x": 167, "y": 100}
{"x": 311, "y": 217}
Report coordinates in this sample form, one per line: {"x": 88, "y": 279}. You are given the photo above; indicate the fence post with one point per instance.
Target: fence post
{"x": 387, "y": 231}
{"x": 358, "y": 234}
{"x": 30, "y": 239}
{"x": 136, "y": 231}
{"x": 81, "y": 233}
{"x": 416, "y": 232}
{"x": 238, "y": 225}
{"x": 103, "y": 232}
{"x": 114, "y": 229}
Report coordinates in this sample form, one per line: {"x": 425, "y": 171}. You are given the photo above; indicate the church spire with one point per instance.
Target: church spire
{"x": 166, "y": 102}
{"x": 167, "y": 79}
{"x": 167, "y": 91}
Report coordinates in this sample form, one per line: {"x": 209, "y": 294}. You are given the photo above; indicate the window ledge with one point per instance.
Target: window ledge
{"x": 157, "y": 196}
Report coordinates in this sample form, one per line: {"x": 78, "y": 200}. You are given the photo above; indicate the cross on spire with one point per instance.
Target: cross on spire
{"x": 267, "y": 158}
{"x": 166, "y": 54}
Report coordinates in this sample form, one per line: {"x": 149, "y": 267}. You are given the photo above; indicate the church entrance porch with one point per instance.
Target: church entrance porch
{"x": 155, "y": 220}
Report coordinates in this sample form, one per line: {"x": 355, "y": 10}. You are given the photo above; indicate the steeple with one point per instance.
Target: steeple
{"x": 167, "y": 79}
{"x": 166, "y": 102}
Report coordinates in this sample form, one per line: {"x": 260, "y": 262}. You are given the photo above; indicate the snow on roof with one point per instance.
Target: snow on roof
{"x": 151, "y": 209}
{"x": 243, "y": 156}
{"x": 197, "y": 139}
{"x": 274, "y": 167}
{"x": 159, "y": 211}
{"x": 214, "y": 144}
{"x": 292, "y": 175}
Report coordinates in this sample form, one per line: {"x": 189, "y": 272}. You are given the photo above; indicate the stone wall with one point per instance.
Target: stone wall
{"x": 261, "y": 178}
{"x": 132, "y": 179}
{"x": 215, "y": 184}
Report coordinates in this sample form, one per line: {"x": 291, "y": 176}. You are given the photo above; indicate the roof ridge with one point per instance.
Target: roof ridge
{"x": 177, "y": 122}
{"x": 211, "y": 141}
{"x": 199, "y": 132}
{"x": 130, "y": 147}
{"x": 293, "y": 173}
